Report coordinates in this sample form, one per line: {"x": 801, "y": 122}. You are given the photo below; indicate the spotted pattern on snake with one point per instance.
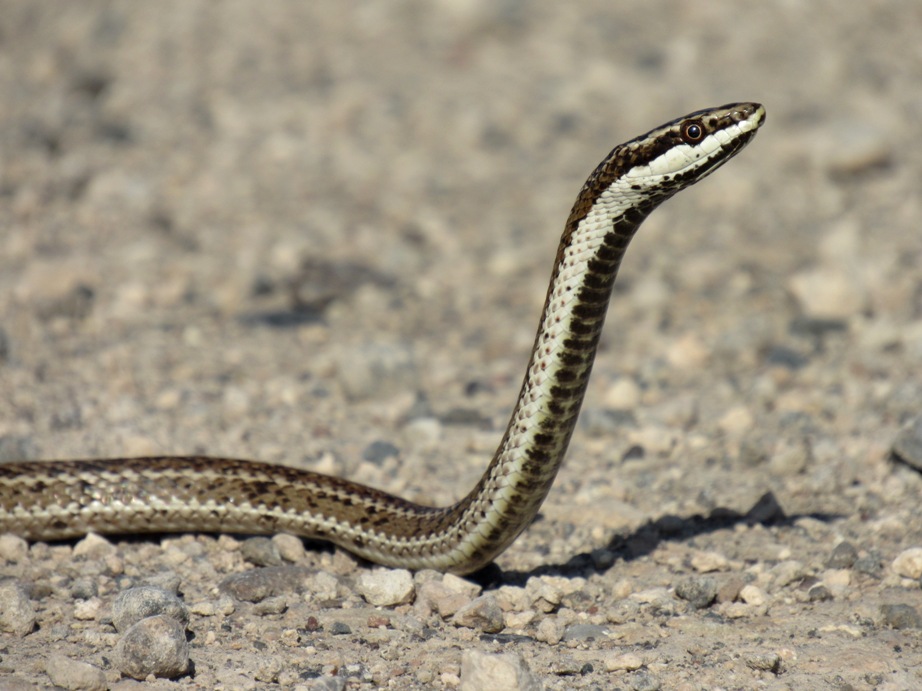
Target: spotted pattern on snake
{"x": 51, "y": 500}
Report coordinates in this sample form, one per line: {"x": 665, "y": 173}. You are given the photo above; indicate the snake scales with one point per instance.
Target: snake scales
{"x": 51, "y": 500}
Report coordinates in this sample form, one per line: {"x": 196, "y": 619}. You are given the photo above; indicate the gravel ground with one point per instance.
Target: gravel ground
{"x": 319, "y": 234}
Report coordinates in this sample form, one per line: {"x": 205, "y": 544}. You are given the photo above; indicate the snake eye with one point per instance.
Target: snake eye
{"x": 692, "y": 132}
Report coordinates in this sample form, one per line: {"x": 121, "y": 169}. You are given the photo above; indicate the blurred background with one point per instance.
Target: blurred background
{"x": 319, "y": 233}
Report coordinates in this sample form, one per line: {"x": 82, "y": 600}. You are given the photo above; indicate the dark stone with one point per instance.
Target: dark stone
{"x": 699, "y": 591}
{"x": 907, "y": 447}
{"x": 900, "y": 616}
{"x": 843, "y": 556}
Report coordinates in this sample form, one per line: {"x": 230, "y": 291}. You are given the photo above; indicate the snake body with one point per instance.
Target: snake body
{"x": 52, "y": 500}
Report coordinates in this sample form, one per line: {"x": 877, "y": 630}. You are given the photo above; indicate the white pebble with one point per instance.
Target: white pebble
{"x": 753, "y": 595}
{"x": 519, "y": 620}
{"x": 908, "y": 563}
{"x": 481, "y": 671}
{"x": 87, "y": 610}
{"x": 290, "y": 548}
{"x": 386, "y": 588}
{"x": 828, "y": 292}
{"x": 549, "y": 631}
{"x": 707, "y": 562}
{"x": 13, "y": 548}
{"x": 623, "y": 394}
{"x": 625, "y": 661}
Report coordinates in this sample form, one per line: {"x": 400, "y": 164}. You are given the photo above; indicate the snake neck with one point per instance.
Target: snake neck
{"x": 508, "y": 496}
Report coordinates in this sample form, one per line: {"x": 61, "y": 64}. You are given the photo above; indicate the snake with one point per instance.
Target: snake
{"x": 66, "y": 499}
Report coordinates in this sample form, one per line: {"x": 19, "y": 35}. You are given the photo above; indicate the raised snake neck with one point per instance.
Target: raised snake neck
{"x": 51, "y": 500}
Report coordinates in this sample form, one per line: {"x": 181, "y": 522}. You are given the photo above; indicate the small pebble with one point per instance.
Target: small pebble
{"x": 376, "y": 370}
{"x": 507, "y": 671}
{"x": 644, "y": 681}
{"x": 17, "y": 615}
{"x": 791, "y": 460}
{"x": 290, "y": 547}
{"x": 586, "y": 632}
{"x": 261, "y": 551}
{"x": 549, "y": 631}
{"x": 707, "y": 562}
{"x": 94, "y": 546}
{"x": 156, "y": 645}
{"x": 135, "y": 604}
{"x": 13, "y": 549}
{"x": 901, "y": 616}
{"x": 268, "y": 670}
{"x": 548, "y": 592}
{"x": 699, "y": 591}
{"x": 271, "y": 605}
{"x": 908, "y": 563}
{"x": 843, "y": 556}
{"x": 482, "y": 613}
{"x": 730, "y": 589}
{"x": 908, "y": 444}
{"x": 422, "y": 434}
{"x": 340, "y": 628}
{"x": 856, "y": 147}
{"x": 258, "y": 584}
{"x": 205, "y": 608}
{"x": 753, "y": 595}
{"x": 827, "y": 292}
{"x": 766, "y": 510}
{"x": 72, "y": 674}
{"x": 623, "y": 394}
{"x": 83, "y": 588}
{"x": 818, "y": 592}
{"x": 785, "y": 573}
{"x": 766, "y": 662}
{"x": 461, "y": 585}
{"x": 379, "y": 451}
{"x": 440, "y": 598}
{"x": 386, "y": 587}
{"x": 323, "y": 585}
{"x": 870, "y": 565}
{"x": 624, "y": 661}
{"x": 88, "y": 610}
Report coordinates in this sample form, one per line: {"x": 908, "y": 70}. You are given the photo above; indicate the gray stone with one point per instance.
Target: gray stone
{"x": 13, "y": 549}
{"x": 908, "y": 444}
{"x": 900, "y": 616}
{"x": 135, "y": 604}
{"x": 17, "y": 616}
{"x": 843, "y": 556}
{"x": 699, "y": 591}
{"x": 156, "y": 645}
{"x": 586, "y": 632}
{"x": 644, "y": 681}
{"x": 766, "y": 662}
{"x": 261, "y": 551}
{"x": 258, "y": 584}
{"x": 379, "y": 451}
{"x": 481, "y": 613}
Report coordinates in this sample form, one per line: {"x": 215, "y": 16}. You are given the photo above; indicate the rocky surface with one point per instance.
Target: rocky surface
{"x": 319, "y": 234}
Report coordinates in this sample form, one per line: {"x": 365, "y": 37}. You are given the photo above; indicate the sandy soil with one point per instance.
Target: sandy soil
{"x": 167, "y": 170}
